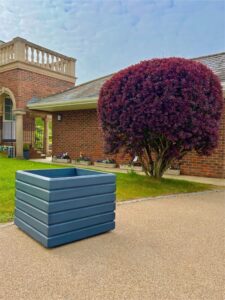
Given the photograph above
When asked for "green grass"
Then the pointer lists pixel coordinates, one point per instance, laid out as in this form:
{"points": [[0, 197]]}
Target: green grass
{"points": [[129, 186], [8, 167]]}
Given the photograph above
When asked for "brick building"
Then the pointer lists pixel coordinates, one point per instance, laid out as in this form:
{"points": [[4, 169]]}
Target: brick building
{"points": [[26, 71], [46, 88]]}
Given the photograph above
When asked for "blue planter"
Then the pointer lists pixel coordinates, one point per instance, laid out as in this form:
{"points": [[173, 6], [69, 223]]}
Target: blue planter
{"points": [[26, 154], [58, 206]]}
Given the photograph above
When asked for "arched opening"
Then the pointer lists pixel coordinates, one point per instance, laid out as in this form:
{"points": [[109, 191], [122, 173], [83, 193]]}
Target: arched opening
{"points": [[7, 118]]}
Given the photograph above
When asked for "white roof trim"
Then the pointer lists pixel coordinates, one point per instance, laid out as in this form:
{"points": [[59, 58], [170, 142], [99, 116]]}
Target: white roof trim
{"points": [[88, 103]]}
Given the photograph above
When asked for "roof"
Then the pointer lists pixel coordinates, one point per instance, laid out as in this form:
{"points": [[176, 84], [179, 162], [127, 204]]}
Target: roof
{"points": [[216, 62], [85, 96]]}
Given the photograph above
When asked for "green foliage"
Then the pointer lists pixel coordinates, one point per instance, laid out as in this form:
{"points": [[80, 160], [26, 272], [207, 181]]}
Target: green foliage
{"points": [[26, 147], [39, 125]]}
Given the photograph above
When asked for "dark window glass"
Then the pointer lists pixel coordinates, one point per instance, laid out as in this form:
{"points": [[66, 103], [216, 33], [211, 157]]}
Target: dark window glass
{"points": [[8, 110]]}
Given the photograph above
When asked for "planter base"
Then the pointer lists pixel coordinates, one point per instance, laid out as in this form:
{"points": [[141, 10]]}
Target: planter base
{"points": [[72, 236]]}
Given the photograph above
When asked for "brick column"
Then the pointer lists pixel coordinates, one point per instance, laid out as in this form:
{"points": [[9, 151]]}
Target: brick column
{"points": [[19, 113]]}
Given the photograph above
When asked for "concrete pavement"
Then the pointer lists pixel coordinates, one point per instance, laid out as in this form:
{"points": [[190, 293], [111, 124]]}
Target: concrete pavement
{"points": [[168, 248]]}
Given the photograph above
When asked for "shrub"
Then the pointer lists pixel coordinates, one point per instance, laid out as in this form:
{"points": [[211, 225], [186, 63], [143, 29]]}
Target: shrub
{"points": [[159, 110], [26, 147]]}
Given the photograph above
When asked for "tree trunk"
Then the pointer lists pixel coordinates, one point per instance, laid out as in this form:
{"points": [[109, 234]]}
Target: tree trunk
{"points": [[157, 166]]}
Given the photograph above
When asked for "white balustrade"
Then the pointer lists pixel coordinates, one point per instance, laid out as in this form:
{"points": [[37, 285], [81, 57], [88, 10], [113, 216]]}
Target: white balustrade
{"points": [[7, 54], [22, 50]]}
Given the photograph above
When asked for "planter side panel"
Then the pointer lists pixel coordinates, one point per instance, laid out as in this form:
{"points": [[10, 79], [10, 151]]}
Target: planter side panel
{"points": [[55, 217]]}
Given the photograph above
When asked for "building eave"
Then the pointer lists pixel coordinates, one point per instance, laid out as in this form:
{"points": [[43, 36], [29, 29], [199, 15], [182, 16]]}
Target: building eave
{"points": [[88, 103]]}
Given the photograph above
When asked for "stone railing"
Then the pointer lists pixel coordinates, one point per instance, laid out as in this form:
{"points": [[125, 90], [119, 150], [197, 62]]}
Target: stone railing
{"points": [[21, 50], [7, 53]]}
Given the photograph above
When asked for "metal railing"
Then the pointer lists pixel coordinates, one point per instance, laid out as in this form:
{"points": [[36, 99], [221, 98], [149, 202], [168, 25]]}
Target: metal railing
{"points": [[33, 135], [39, 139]]}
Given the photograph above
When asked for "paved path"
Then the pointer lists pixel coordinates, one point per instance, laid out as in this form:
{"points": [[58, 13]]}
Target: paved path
{"points": [[169, 248]]}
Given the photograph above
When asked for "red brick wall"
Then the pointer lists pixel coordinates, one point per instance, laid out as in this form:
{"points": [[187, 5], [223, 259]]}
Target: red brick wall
{"points": [[79, 132], [209, 166], [26, 84]]}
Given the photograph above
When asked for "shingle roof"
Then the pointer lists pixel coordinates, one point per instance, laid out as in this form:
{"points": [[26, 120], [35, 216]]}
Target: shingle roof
{"points": [[90, 90], [216, 62], [87, 90]]}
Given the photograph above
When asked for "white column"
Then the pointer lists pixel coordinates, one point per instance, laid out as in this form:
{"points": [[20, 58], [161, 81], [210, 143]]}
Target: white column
{"points": [[19, 113], [46, 134], [1, 125]]}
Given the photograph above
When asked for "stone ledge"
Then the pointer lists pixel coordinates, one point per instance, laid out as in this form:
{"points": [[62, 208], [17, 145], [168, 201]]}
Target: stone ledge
{"points": [[36, 69]]}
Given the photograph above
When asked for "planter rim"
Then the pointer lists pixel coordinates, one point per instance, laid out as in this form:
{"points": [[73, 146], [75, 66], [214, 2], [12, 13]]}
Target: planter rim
{"points": [[60, 178]]}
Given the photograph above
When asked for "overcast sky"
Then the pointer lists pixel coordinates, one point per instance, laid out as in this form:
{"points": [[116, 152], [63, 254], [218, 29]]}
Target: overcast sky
{"points": [[107, 35]]}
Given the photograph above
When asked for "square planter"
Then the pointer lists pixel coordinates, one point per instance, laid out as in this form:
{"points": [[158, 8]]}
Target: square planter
{"points": [[137, 168], [172, 172], [129, 168], [81, 162], [61, 160], [104, 165], [59, 206]]}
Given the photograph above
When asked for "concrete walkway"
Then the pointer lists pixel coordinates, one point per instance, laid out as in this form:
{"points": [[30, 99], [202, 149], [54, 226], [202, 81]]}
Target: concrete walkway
{"points": [[207, 180], [169, 248]]}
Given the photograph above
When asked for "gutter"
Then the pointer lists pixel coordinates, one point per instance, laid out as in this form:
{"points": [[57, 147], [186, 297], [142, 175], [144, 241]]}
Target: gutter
{"points": [[83, 103]]}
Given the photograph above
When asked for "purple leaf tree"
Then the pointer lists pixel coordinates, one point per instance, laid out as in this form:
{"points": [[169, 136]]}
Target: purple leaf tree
{"points": [[159, 110]]}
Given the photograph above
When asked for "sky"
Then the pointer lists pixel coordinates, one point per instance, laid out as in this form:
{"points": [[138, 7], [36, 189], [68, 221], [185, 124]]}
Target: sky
{"points": [[108, 35]]}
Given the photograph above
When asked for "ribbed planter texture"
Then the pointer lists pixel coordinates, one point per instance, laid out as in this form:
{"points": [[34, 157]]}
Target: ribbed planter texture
{"points": [[59, 206]]}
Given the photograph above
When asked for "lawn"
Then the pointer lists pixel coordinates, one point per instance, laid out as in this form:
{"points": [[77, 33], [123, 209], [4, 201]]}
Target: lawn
{"points": [[129, 186]]}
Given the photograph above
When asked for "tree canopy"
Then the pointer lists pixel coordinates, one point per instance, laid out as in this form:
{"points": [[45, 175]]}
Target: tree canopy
{"points": [[160, 109]]}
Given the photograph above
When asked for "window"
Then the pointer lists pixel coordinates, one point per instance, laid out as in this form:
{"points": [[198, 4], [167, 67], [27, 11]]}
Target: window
{"points": [[8, 109]]}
